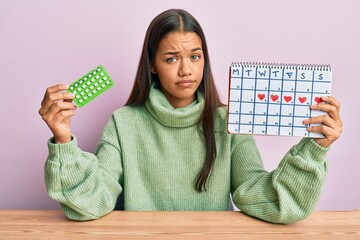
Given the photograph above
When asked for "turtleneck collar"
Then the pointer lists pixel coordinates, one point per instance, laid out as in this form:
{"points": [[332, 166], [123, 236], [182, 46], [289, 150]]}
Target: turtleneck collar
{"points": [[160, 108]]}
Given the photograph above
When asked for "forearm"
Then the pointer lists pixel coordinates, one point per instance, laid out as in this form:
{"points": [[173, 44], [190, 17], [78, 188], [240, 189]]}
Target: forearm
{"points": [[80, 183], [291, 192]]}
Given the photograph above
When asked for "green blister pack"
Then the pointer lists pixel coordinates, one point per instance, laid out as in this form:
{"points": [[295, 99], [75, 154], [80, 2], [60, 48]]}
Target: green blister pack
{"points": [[90, 86]]}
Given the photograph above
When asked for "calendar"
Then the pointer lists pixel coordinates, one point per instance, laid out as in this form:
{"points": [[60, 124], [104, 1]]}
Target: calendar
{"points": [[275, 99]]}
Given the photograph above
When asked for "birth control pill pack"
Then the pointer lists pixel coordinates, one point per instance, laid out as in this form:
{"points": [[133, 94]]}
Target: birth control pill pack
{"points": [[90, 86]]}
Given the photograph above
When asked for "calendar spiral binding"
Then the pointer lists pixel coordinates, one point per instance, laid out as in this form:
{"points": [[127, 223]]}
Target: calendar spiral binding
{"points": [[292, 66]]}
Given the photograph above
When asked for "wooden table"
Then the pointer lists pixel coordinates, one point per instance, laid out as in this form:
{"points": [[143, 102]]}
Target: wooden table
{"points": [[33, 224]]}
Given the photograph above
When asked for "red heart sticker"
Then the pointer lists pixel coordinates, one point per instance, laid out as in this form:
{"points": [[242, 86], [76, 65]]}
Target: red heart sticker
{"points": [[274, 97], [287, 98], [318, 99], [302, 99], [261, 96]]}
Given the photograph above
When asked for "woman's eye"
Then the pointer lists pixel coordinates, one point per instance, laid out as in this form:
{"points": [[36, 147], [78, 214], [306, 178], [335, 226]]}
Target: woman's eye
{"points": [[195, 57], [171, 60]]}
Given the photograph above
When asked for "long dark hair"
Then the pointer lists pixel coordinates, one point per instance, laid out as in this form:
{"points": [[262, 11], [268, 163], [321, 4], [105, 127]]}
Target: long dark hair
{"points": [[171, 21]]}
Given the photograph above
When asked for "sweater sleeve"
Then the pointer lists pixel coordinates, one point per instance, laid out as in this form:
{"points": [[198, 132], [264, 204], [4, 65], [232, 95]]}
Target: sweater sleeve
{"points": [[287, 194], [86, 185]]}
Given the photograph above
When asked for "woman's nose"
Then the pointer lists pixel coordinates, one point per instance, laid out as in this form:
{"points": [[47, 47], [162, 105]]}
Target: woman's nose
{"points": [[185, 68]]}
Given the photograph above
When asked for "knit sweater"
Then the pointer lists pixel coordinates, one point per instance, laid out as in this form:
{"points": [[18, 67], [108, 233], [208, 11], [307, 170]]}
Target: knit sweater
{"points": [[153, 154]]}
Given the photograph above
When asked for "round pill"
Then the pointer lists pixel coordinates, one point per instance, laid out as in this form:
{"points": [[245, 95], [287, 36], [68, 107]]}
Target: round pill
{"points": [[97, 77], [71, 88], [74, 92], [90, 75], [108, 82], [94, 72], [85, 97], [81, 81], [76, 84], [96, 84], [91, 87], [98, 88], [103, 85], [102, 74], [88, 82], [93, 80], [87, 90], [99, 69], [94, 91], [79, 89], [105, 78], [77, 96], [100, 81], [82, 94], [85, 78], [89, 94]]}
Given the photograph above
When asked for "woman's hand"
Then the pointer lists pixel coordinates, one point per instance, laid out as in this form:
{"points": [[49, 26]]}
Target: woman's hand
{"points": [[331, 123], [56, 110]]}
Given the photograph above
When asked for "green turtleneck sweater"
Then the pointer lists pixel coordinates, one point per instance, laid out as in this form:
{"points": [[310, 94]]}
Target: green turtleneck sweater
{"points": [[153, 154]]}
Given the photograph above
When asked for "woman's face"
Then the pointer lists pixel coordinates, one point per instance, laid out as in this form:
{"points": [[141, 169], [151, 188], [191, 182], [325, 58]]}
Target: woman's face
{"points": [[179, 64]]}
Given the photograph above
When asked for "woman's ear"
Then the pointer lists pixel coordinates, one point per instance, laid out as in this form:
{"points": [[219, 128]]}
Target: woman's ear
{"points": [[152, 69]]}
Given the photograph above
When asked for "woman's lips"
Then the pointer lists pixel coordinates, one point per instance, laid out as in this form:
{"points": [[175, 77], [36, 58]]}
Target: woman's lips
{"points": [[185, 83]]}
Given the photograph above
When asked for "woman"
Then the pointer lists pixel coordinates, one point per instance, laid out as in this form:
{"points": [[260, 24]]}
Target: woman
{"points": [[168, 148]]}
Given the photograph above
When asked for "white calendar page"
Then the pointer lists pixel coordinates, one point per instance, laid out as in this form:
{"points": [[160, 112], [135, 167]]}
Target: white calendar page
{"points": [[274, 99]]}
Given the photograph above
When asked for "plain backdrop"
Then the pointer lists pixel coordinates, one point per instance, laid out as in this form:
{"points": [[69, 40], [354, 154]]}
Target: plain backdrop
{"points": [[45, 42]]}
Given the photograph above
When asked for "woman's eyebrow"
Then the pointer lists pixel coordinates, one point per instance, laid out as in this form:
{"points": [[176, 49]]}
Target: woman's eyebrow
{"points": [[196, 49], [177, 52], [171, 53]]}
